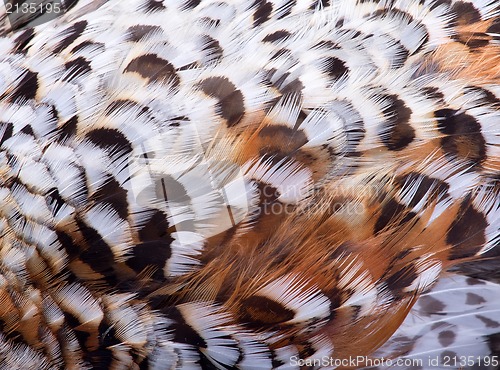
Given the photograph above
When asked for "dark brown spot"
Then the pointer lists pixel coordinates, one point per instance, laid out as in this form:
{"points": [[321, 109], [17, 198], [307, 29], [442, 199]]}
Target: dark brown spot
{"points": [[306, 350], [210, 22], [177, 121], [398, 134], [155, 69], [155, 228], [440, 324], [474, 299], [101, 358], [76, 68], [392, 212], [112, 194], [393, 13], [54, 200], [336, 297], [422, 185], [191, 4], [189, 66], [293, 87], [276, 36], [268, 75], [449, 120], [28, 130], [27, 87], [138, 32], [276, 362], [70, 4], [301, 118], [268, 195], [356, 311], [212, 47], [433, 93], [327, 44], [183, 332], [437, 3], [23, 40], [154, 248], [282, 53], [317, 3], [473, 40], [98, 254], [68, 244], [467, 232], [465, 13], [488, 322], [387, 3], [486, 268], [107, 335], [399, 257], [343, 250], [473, 281], [430, 306], [70, 35], [401, 279], [120, 105], [231, 104], [111, 140], [74, 322], [495, 26], [334, 67], [87, 44], [262, 12], [400, 55], [464, 138], [264, 311], [68, 129], [487, 97], [446, 338], [154, 6], [6, 130], [284, 137], [493, 341]]}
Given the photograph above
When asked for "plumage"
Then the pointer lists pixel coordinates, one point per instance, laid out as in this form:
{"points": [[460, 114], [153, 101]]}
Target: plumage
{"points": [[268, 184]]}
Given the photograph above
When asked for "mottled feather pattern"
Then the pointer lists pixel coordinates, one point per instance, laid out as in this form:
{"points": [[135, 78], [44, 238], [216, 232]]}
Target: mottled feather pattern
{"points": [[207, 184]]}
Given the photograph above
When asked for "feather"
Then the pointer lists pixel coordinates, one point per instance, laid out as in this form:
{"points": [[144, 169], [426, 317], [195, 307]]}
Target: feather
{"points": [[262, 184]]}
